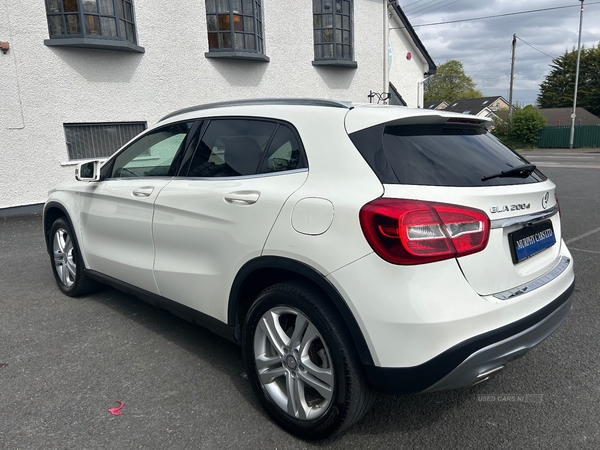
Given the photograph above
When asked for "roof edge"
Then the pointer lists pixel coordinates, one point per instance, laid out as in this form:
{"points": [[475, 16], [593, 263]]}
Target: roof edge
{"points": [[262, 101]]}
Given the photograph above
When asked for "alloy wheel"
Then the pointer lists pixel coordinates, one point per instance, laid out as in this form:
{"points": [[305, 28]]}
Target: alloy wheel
{"points": [[293, 363], [64, 257]]}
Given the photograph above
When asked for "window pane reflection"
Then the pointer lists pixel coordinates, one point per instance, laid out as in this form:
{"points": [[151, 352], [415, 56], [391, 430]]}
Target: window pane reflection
{"points": [[92, 25], [99, 17]]}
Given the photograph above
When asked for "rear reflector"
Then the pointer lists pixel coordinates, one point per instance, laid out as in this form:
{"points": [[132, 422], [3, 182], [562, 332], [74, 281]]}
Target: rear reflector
{"points": [[412, 232]]}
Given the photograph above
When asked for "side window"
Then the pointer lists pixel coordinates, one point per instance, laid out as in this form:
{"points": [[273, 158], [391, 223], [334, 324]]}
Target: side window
{"points": [[152, 155], [231, 147], [284, 152]]}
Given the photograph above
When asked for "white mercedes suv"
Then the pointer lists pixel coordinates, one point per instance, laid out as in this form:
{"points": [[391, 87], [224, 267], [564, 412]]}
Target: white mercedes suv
{"points": [[347, 248]]}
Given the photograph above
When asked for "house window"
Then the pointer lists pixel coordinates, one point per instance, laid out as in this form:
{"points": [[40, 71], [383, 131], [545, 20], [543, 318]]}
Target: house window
{"points": [[235, 29], [105, 24], [333, 29], [99, 140]]}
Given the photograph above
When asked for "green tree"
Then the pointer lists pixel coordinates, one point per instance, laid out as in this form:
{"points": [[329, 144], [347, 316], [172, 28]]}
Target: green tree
{"points": [[526, 124], [502, 125], [557, 90], [450, 83], [522, 130]]}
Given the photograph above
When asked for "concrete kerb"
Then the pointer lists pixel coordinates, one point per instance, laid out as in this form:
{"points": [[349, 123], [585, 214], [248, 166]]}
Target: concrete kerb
{"points": [[558, 150], [23, 210]]}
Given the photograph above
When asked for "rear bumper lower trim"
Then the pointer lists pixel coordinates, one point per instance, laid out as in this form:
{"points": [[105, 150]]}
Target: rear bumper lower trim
{"points": [[496, 356], [423, 378]]}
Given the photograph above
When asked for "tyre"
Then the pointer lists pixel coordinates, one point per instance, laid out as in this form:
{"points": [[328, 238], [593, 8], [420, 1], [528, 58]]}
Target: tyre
{"points": [[67, 264], [302, 363]]}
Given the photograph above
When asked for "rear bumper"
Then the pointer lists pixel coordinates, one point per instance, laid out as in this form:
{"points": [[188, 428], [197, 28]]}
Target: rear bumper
{"points": [[468, 362]]}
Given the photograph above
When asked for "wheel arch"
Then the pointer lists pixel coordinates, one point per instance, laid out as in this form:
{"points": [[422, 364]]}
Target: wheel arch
{"points": [[52, 212], [264, 271]]}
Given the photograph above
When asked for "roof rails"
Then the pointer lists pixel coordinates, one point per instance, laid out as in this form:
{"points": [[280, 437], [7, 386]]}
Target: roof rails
{"points": [[263, 101]]}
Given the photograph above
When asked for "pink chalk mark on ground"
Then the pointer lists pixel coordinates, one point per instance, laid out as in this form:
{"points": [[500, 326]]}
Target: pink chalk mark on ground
{"points": [[117, 410]]}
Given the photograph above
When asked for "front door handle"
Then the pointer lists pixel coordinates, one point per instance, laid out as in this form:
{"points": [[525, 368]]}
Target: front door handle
{"points": [[242, 197], [143, 191]]}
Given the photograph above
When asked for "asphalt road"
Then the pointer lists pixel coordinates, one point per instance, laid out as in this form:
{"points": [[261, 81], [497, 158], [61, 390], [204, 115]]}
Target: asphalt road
{"points": [[64, 362]]}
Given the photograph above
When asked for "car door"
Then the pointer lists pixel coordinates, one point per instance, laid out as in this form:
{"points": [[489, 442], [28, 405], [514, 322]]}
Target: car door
{"points": [[208, 223], [116, 214]]}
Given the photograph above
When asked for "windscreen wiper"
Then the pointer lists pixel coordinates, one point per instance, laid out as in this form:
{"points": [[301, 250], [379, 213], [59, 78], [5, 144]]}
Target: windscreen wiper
{"points": [[516, 172]]}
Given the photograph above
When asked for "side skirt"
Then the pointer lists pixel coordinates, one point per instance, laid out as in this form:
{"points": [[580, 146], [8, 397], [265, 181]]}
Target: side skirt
{"points": [[177, 309]]}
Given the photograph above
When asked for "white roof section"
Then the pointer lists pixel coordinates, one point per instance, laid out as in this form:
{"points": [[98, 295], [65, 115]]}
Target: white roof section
{"points": [[358, 115], [365, 116]]}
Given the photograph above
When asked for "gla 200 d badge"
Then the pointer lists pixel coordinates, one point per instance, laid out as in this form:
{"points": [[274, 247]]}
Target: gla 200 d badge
{"points": [[517, 207]]}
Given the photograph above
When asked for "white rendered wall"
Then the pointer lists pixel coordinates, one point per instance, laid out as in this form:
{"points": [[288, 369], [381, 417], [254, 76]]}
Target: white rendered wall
{"points": [[406, 73], [44, 87]]}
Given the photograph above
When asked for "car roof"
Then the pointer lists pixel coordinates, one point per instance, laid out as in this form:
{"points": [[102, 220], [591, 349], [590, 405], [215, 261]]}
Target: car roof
{"points": [[358, 115], [262, 101]]}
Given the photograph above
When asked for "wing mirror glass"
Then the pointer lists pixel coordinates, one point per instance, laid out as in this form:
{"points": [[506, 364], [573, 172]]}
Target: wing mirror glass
{"points": [[88, 171]]}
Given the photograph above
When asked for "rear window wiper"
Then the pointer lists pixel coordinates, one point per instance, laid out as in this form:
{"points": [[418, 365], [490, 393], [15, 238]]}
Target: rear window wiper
{"points": [[516, 172]]}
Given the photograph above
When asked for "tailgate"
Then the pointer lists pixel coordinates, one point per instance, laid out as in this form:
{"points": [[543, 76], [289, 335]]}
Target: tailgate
{"points": [[525, 235]]}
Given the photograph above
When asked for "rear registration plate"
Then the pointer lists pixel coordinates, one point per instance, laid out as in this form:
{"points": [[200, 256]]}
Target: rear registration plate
{"points": [[531, 240]]}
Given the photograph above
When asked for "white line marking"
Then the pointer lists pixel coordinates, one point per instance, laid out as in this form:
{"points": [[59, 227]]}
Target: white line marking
{"points": [[562, 157], [584, 235], [586, 251], [567, 166]]}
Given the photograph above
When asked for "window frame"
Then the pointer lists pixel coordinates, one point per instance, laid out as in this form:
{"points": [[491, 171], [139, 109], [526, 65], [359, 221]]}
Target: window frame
{"points": [[256, 16], [205, 123], [99, 41], [319, 28]]}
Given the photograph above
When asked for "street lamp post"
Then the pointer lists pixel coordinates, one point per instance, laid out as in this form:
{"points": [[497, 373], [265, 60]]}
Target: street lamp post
{"points": [[573, 115]]}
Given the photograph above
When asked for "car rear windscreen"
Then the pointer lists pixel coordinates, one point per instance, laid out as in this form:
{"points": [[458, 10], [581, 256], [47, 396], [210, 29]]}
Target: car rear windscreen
{"points": [[441, 155]]}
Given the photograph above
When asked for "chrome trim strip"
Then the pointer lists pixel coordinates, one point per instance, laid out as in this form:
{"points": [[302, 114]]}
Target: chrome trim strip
{"points": [[526, 219], [241, 177], [537, 283]]}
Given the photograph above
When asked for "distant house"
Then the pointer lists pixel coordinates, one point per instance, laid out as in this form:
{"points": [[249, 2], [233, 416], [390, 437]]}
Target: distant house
{"points": [[562, 117], [435, 105], [482, 107]]}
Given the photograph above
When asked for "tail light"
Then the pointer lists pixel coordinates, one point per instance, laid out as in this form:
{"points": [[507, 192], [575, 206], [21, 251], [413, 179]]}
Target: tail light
{"points": [[411, 232], [557, 204]]}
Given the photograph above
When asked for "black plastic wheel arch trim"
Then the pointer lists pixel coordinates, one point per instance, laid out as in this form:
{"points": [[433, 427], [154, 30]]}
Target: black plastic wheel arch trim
{"points": [[293, 266], [177, 309], [48, 227], [411, 380]]}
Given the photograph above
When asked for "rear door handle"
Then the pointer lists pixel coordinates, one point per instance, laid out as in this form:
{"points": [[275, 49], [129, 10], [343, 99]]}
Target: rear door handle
{"points": [[143, 191], [242, 197]]}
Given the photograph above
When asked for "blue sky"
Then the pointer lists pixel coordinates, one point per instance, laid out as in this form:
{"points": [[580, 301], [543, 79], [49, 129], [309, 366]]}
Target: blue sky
{"points": [[484, 46]]}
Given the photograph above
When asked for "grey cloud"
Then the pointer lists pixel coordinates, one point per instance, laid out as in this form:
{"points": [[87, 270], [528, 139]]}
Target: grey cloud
{"points": [[474, 43]]}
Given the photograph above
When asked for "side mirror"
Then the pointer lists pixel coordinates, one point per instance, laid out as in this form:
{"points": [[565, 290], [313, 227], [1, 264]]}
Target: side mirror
{"points": [[88, 171]]}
